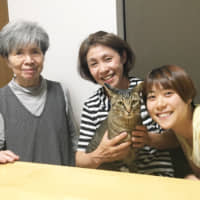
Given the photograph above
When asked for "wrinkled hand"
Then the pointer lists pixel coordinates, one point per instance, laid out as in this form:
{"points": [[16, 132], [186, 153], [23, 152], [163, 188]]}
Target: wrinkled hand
{"points": [[8, 156], [140, 137], [111, 149]]}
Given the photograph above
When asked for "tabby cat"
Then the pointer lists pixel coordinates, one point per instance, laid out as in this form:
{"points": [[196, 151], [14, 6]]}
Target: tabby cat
{"points": [[123, 116]]}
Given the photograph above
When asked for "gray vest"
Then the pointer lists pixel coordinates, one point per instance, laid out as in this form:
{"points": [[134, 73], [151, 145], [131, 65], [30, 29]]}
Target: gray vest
{"points": [[43, 139]]}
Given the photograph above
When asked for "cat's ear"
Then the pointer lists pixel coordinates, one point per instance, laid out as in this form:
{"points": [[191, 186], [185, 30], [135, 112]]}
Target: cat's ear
{"points": [[110, 91], [139, 87]]}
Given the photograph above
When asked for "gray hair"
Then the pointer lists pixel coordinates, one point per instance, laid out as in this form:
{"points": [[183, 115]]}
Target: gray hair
{"points": [[19, 34]]}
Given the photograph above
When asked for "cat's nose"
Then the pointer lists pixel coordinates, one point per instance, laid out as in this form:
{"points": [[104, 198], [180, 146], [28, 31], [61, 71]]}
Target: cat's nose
{"points": [[128, 108]]}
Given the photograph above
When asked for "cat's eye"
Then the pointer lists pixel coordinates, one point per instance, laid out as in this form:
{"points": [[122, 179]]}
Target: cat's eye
{"points": [[120, 102], [134, 103]]}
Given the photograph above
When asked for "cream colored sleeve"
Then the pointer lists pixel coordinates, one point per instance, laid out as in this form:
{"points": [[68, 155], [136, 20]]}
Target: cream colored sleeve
{"points": [[196, 136]]}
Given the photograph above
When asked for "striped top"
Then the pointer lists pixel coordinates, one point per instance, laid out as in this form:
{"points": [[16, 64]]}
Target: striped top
{"points": [[95, 110]]}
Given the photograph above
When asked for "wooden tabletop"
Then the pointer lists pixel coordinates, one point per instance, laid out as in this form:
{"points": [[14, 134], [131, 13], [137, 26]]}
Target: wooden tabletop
{"points": [[28, 181]]}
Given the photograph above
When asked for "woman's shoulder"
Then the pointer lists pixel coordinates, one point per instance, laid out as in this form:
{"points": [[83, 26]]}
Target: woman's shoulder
{"points": [[96, 99], [196, 111], [134, 79], [96, 93]]}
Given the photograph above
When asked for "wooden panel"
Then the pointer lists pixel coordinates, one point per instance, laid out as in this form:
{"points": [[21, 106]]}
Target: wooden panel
{"points": [[22, 181], [5, 72]]}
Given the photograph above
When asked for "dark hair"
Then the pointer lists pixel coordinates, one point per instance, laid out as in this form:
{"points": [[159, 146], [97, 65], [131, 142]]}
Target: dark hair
{"points": [[109, 40], [170, 77], [18, 34]]}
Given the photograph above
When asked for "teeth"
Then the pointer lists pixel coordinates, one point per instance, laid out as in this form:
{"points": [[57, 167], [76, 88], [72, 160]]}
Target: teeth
{"points": [[163, 115], [107, 77]]}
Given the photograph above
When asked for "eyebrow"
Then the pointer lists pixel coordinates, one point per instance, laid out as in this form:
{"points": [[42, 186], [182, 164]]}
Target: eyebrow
{"points": [[91, 60]]}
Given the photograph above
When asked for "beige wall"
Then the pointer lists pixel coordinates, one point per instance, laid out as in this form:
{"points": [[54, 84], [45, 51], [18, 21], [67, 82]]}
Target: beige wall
{"points": [[68, 22], [165, 32]]}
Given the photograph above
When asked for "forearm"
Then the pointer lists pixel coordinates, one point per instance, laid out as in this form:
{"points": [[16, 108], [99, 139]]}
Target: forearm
{"points": [[165, 140], [88, 160]]}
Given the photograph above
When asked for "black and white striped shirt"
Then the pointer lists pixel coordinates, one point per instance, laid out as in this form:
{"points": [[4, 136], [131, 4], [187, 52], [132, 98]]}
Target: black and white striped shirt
{"points": [[95, 110]]}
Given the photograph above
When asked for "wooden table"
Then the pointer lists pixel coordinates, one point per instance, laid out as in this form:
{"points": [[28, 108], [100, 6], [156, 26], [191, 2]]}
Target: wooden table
{"points": [[28, 181]]}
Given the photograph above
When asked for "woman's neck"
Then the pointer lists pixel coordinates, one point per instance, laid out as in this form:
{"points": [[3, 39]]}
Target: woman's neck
{"points": [[124, 83], [27, 83]]}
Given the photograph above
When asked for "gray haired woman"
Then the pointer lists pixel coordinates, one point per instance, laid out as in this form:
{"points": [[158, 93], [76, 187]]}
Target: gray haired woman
{"points": [[36, 121]]}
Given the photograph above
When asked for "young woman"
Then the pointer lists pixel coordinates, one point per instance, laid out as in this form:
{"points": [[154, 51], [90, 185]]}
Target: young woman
{"points": [[169, 93], [106, 58]]}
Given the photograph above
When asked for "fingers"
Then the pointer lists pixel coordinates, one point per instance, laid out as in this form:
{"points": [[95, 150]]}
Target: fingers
{"points": [[8, 156], [140, 137], [119, 138], [191, 177], [140, 128], [120, 151], [138, 141], [111, 149]]}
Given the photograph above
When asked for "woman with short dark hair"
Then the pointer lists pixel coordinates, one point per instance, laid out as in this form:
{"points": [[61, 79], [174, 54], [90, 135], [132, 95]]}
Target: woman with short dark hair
{"points": [[169, 92], [106, 58]]}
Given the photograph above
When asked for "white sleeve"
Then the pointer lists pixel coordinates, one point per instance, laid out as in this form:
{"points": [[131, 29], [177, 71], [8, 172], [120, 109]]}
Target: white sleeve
{"points": [[2, 132]]}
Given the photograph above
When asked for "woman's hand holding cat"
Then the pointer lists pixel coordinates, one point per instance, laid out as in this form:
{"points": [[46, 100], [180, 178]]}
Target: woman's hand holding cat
{"points": [[140, 137], [111, 149], [7, 157], [108, 150], [192, 177]]}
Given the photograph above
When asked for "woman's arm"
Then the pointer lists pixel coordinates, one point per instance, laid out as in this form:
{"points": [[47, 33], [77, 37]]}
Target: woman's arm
{"points": [[142, 137], [107, 151], [6, 156], [192, 177]]}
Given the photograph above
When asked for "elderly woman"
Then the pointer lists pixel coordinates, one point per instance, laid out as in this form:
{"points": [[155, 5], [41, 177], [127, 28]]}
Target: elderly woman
{"points": [[36, 122]]}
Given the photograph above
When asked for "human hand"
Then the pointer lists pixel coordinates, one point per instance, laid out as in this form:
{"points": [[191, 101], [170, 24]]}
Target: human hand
{"points": [[140, 137], [111, 149], [8, 156], [191, 177]]}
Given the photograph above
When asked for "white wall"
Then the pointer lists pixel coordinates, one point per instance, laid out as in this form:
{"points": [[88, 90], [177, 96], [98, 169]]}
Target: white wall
{"points": [[68, 22]]}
